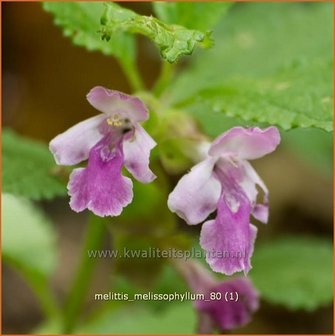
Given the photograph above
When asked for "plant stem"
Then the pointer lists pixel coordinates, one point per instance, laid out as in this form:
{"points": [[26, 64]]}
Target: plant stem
{"points": [[132, 74], [94, 237], [165, 77]]}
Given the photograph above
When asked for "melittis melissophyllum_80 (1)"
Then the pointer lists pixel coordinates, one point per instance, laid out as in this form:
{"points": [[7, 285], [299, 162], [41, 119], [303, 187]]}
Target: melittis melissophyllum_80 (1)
{"points": [[109, 141]]}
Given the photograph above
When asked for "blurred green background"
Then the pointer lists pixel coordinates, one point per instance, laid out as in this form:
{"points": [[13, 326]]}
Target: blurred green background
{"points": [[45, 80]]}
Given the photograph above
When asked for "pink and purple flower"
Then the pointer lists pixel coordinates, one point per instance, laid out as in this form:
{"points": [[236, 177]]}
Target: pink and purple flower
{"points": [[109, 141], [225, 182]]}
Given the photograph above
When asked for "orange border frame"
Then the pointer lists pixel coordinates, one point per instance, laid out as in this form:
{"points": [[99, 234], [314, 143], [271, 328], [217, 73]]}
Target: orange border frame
{"points": [[332, 1]]}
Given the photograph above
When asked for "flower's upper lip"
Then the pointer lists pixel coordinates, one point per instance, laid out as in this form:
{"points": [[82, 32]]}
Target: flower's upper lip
{"points": [[246, 143], [112, 102]]}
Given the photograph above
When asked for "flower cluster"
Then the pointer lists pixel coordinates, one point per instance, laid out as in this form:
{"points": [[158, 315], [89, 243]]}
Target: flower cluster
{"points": [[224, 181]]}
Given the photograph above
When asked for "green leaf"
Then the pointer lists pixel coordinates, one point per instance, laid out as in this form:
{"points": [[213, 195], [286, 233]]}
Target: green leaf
{"points": [[29, 245], [264, 69], [295, 272], [179, 318], [173, 41], [193, 15], [28, 168], [81, 22], [28, 238]]}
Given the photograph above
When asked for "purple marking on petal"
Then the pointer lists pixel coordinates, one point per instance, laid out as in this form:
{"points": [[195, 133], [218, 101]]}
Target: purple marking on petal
{"points": [[100, 187], [229, 239], [114, 102], [244, 175], [246, 143], [231, 314], [73, 146], [137, 154], [196, 194]]}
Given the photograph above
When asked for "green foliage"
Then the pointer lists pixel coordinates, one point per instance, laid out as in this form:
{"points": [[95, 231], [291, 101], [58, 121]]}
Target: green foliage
{"points": [[118, 316], [264, 69], [172, 154], [28, 239], [49, 327], [193, 15], [81, 22], [28, 168], [295, 272], [29, 245], [313, 145], [178, 318], [173, 41], [170, 282], [148, 214], [148, 198]]}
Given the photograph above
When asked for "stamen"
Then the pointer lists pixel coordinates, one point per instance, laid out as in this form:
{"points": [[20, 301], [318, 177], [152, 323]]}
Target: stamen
{"points": [[114, 120]]}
